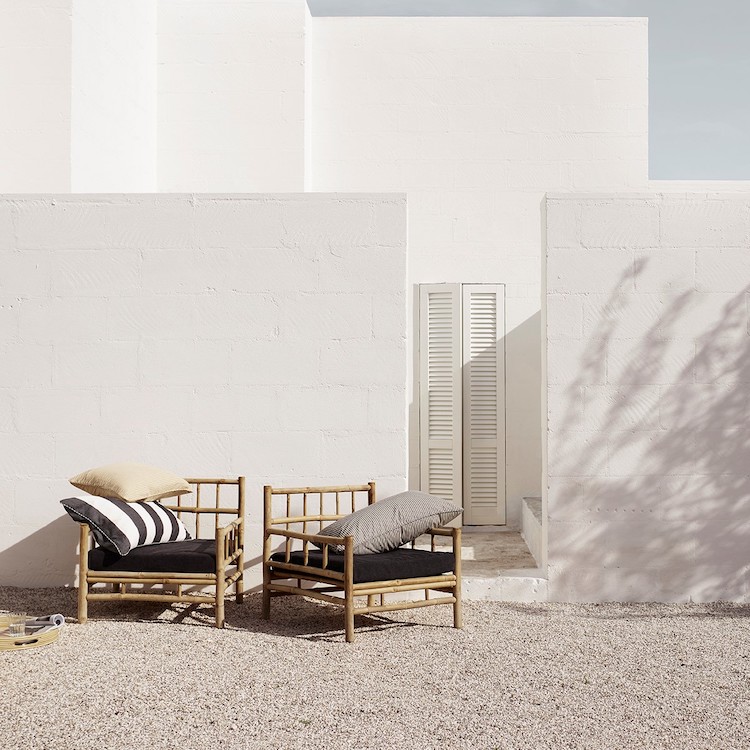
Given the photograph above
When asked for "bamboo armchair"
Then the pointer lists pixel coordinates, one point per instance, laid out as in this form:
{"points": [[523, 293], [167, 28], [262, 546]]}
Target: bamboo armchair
{"points": [[201, 564], [351, 574]]}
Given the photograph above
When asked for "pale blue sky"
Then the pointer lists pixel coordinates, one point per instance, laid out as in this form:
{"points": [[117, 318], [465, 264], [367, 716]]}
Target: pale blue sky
{"points": [[699, 70]]}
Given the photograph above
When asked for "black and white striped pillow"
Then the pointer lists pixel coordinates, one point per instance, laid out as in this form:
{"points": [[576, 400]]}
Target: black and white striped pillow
{"points": [[120, 527]]}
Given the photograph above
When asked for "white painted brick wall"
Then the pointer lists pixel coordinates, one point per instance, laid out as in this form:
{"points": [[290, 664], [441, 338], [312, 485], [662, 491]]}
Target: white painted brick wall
{"points": [[173, 330], [231, 92], [647, 383], [476, 118]]}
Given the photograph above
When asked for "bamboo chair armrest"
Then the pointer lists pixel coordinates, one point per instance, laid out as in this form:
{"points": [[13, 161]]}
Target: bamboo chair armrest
{"points": [[315, 538], [319, 540], [456, 534], [450, 531], [86, 538], [229, 545], [92, 543], [224, 530]]}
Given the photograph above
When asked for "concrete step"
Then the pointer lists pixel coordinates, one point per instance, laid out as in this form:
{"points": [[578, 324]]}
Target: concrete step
{"points": [[496, 565], [531, 526], [528, 585]]}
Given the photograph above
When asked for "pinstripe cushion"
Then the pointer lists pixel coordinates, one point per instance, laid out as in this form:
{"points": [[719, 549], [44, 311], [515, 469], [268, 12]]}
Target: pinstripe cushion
{"points": [[389, 523], [119, 526]]}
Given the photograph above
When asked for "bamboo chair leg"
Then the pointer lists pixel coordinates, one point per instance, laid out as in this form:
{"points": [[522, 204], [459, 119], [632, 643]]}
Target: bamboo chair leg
{"points": [[266, 594], [83, 611], [239, 586], [267, 544], [83, 570], [457, 614], [220, 591], [349, 587], [349, 615]]}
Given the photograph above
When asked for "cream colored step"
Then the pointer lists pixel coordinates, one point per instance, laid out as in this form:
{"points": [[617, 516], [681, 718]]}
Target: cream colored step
{"points": [[502, 549], [531, 525], [496, 565]]}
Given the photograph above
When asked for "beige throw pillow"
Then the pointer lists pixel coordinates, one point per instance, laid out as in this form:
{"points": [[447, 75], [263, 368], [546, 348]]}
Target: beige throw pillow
{"points": [[130, 482]]}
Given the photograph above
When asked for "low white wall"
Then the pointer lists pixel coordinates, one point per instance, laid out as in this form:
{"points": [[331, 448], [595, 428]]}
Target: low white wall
{"points": [[476, 118], [231, 90], [35, 80], [647, 382], [212, 335], [113, 98]]}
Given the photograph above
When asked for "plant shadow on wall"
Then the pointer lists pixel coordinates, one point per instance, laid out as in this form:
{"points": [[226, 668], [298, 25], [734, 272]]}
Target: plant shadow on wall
{"points": [[649, 471]]}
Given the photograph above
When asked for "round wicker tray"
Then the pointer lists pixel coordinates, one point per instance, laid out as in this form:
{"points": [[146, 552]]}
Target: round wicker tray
{"points": [[42, 637]]}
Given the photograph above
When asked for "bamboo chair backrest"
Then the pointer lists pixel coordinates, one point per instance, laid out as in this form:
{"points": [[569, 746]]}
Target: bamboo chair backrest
{"points": [[206, 500], [309, 509]]}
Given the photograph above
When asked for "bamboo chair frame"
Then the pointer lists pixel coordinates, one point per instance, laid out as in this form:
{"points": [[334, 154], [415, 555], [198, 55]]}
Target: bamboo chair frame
{"points": [[230, 558], [276, 572]]}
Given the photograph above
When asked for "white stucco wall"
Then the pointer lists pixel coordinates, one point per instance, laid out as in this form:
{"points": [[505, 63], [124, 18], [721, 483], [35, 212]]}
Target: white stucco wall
{"points": [[35, 81], [476, 118], [212, 335], [231, 92], [113, 97], [647, 376]]}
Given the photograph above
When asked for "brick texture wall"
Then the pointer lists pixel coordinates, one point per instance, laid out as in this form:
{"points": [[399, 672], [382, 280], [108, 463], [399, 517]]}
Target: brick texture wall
{"points": [[476, 118], [648, 397], [220, 335]]}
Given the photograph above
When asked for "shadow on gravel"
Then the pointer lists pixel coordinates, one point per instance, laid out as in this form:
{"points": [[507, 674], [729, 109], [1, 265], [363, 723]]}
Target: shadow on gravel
{"points": [[666, 611], [306, 619], [631, 611], [291, 617]]}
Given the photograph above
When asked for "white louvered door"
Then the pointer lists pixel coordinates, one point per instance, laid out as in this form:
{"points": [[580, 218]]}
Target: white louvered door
{"points": [[440, 390], [483, 404], [462, 397]]}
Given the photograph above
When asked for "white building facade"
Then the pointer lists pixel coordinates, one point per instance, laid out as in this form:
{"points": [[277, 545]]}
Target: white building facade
{"points": [[464, 124]]}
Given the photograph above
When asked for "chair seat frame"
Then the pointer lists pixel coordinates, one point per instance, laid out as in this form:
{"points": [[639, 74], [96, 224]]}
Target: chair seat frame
{"points": [[229, 551], [278, 576]]}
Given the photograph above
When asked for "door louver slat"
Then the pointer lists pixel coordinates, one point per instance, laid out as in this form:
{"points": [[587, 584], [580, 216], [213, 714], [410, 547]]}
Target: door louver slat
{"points": [[484, 405], [440, 400]]}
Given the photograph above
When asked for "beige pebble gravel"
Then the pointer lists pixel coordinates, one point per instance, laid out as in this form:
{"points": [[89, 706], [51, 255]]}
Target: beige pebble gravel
{"points": [[518, 676]]}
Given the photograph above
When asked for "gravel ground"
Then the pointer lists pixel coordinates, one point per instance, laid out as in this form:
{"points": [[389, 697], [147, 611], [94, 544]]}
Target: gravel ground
{"points": [[518, 676]]}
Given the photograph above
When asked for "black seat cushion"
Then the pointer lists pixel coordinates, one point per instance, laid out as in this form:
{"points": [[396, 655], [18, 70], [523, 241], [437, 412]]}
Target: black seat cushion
{"points": [[381, 566], [191, 556]]}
